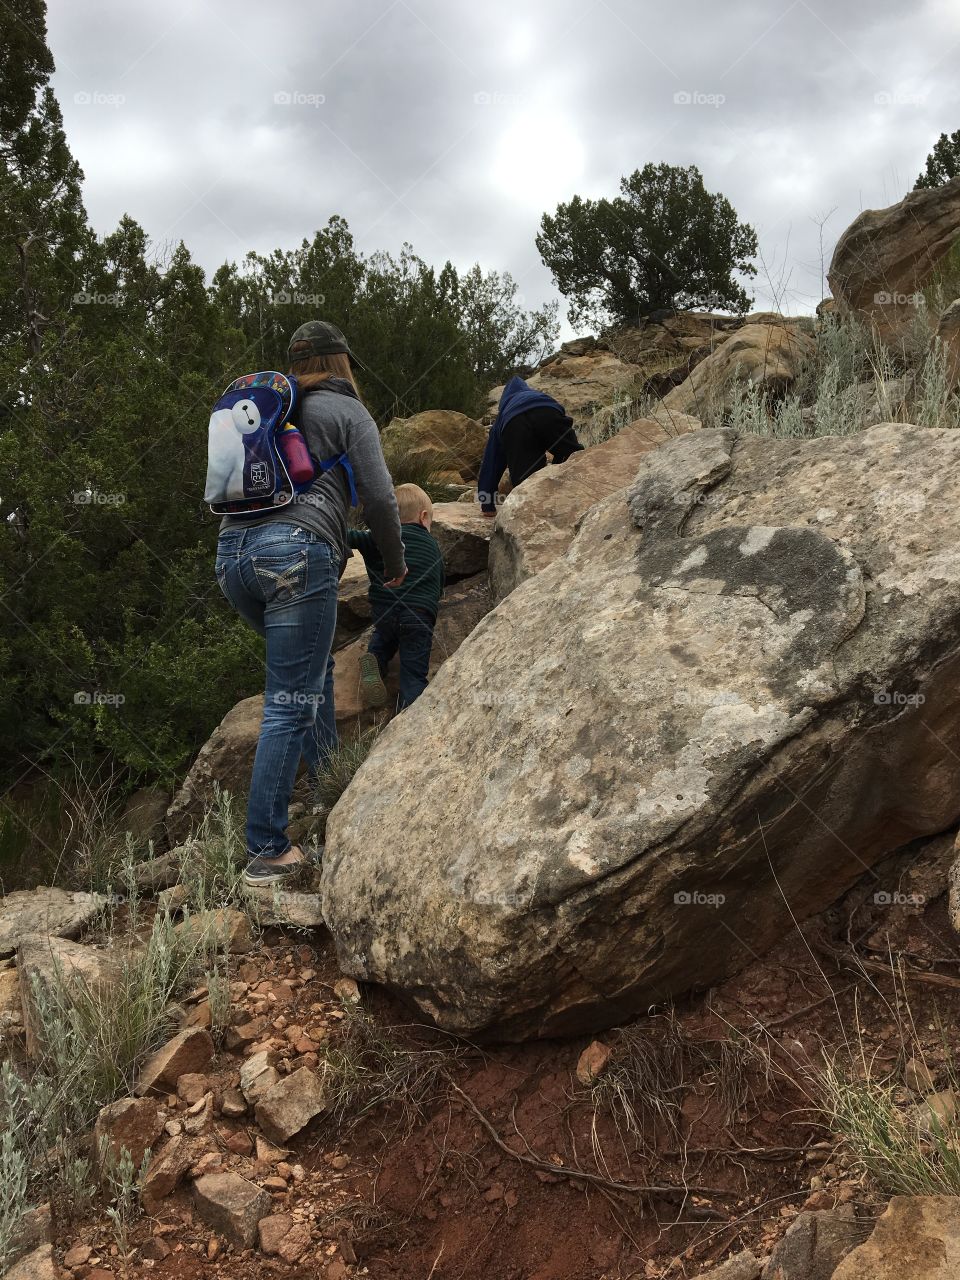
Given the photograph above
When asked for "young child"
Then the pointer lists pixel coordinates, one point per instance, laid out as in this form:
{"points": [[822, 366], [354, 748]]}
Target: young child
{"points": [[404, 616]]}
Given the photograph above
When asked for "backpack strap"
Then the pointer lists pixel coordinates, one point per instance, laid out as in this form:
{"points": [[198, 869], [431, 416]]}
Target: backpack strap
{"points": [[341, 460]]}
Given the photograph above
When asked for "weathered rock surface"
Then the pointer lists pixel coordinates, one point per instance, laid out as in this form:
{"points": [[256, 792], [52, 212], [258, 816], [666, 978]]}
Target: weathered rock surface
{"points": [[144, 812], [916, 1238], [167, 1170], [464, 537], [288, 906], [190, 1050], [768, 355], [291, 1104], [353, 602], [224, 758], [231, 1205], [131, 1123], [886, 255], [37, 1265], [55, 913], [449, 441], [258, 1075], [948, 333], [281, 1235], [606, 801], [539, 519], [223, 927], [814, 1245], [742, 1266]]}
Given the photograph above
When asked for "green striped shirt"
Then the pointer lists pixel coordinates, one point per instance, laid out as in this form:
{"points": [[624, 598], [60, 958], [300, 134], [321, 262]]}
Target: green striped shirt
{"points": [[423, 585]]}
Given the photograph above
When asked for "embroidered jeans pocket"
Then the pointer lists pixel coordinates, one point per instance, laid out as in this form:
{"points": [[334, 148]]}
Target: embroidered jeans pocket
{"points": [[282, 577]]}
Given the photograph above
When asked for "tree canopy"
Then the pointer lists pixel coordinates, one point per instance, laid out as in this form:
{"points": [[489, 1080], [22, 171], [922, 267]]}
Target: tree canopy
{"points": [[943, 162], [664, 241]]}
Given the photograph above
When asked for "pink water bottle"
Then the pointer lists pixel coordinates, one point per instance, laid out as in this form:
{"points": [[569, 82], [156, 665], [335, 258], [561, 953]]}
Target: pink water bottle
{"points": [[296, 455]]}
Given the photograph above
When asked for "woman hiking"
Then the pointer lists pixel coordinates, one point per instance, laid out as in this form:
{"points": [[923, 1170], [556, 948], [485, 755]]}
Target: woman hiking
{"points": [[280, 571]]}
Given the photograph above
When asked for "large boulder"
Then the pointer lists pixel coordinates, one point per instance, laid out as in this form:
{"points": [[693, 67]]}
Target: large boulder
{"points": [[464, 537], [55, 913], [448, 441], [538, 520], [223, 760], [885, 255], [766, 354], [916, 1238], [738, 689]]}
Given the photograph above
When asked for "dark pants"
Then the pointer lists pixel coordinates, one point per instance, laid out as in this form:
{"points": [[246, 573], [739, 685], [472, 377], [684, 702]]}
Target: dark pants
{"points": [[409, 631], [530, 436]]}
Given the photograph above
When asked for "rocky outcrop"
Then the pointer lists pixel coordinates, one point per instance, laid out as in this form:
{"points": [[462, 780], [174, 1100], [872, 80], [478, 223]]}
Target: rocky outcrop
{"points": [[884, 257], [538, 520], [814, 1245], [448, 441], [53, 964], [916, 1238], [767, 355], [736, 691], [948, 333], [54, 913]]}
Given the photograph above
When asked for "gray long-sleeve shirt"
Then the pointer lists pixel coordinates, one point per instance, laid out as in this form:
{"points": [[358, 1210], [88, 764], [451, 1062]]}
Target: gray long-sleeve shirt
{"points": [[335, 424]]}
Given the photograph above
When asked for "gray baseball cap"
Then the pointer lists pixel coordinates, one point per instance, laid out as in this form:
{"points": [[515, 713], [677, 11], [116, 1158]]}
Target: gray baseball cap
{"points": [[319, 338]]}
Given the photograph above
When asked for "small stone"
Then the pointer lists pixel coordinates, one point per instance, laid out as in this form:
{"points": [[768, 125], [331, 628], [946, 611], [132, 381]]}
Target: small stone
{"points": [[290, 1105], [593, 1061], [346, 991], [225, 927], [339, 1161], [189, 1051], [131, 1123], [174, 898], [258, 1076], [213, 1248], [232, 1103], [172, 1128], [268, 1153], [192, 1087], [199, 1016], [77, 1255], [275, 1183], [156, 1248], [209, 1162], [231, 1205], [239, 1143], [337, 1270], [917, 1076], [166, 1171]]}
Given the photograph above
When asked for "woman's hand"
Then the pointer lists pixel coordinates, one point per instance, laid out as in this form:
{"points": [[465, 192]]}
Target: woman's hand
{"points": [[395, 582]]}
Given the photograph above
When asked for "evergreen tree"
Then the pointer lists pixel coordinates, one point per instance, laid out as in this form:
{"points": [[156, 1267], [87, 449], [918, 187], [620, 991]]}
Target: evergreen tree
{"points": [[943, 162], [665, 241]]}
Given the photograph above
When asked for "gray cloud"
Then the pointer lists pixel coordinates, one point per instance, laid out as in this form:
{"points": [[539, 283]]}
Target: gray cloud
{"points": [[245, 126]]}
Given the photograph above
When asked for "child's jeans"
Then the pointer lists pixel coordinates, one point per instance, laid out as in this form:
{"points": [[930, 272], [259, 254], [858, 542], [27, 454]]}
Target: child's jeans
{"points": [[282, 580], [408, 630]]}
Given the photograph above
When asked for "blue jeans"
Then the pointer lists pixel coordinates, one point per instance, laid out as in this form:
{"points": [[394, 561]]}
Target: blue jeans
{"points": [[409, 631], [283, 581]]}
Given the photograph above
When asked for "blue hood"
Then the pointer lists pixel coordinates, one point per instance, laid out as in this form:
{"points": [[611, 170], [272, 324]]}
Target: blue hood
{"points": [[517, 397]]}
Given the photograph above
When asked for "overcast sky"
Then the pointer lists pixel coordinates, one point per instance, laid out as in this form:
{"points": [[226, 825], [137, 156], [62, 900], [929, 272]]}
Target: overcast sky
{"points": [[244, 125]]}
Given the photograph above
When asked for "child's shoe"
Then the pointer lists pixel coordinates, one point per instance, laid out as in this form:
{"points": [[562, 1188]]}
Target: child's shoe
{"points": [[372, 689]]}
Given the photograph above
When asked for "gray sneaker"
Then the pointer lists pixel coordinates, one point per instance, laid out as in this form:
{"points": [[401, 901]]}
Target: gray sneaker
{"points": [[372, 689], [267, 871]]}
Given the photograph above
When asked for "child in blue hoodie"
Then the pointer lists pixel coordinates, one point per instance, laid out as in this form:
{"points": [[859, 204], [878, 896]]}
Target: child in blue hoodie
{"points": [[529, 425]]}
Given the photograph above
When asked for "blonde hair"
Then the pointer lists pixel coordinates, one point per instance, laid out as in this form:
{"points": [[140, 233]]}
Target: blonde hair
{"points": [[315, 370], [411, 501]]}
